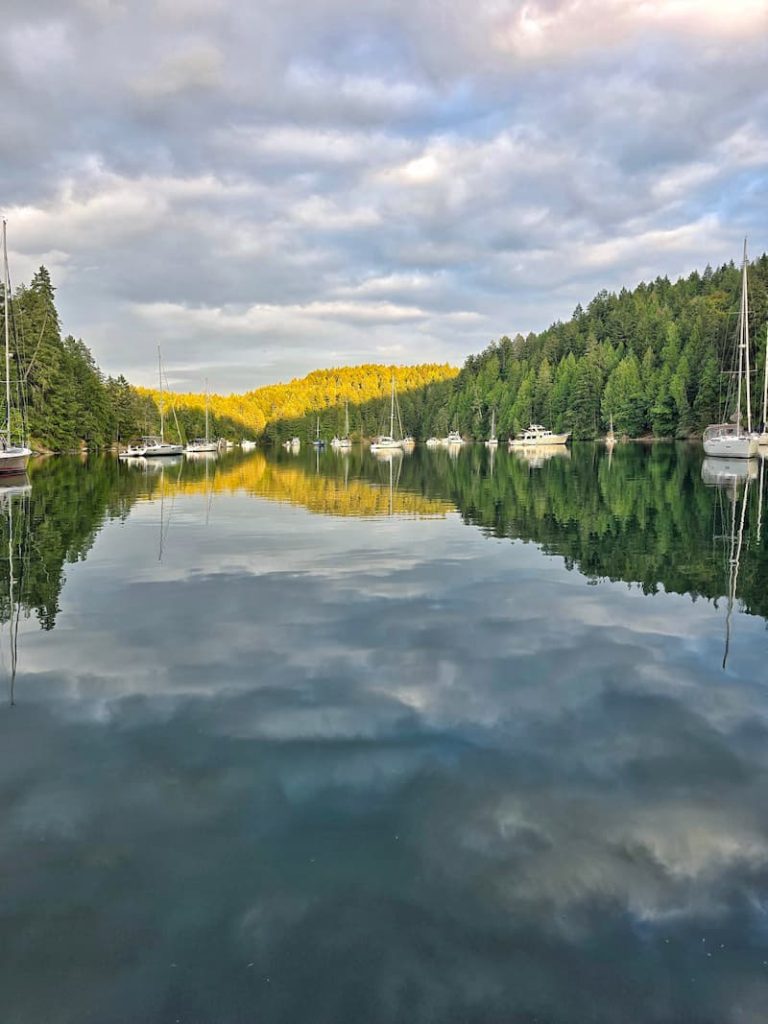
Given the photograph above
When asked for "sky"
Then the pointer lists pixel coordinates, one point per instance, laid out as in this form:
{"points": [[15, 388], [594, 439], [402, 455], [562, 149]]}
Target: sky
{"points": [[265, 187]]}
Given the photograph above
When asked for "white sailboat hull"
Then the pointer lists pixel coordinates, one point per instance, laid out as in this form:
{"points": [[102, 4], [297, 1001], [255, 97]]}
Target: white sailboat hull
{"points": [[205, 446], [386, 444], [14, 460], [731, 446], [158, 450]]}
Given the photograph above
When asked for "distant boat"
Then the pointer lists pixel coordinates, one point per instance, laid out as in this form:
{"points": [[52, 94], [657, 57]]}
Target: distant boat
{"points": [[453, 437], [203, 444], [343, 443], [247, 445], [729, 440], [153, 446], [13, 457], [433, 442], [318, 443], [493, 441], [387, 442], [610, 437], [536, 435]]}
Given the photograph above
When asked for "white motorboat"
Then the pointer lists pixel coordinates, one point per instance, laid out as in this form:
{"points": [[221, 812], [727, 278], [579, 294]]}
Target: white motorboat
{"points": [[453, 437], [247, 445], [432, 442], [387, 442], [13, 457], [536, 435], [729, 440]]}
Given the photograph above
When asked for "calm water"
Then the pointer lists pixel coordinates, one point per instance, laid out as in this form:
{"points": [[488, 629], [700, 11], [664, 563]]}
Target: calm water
{"points": [[344, 741]]}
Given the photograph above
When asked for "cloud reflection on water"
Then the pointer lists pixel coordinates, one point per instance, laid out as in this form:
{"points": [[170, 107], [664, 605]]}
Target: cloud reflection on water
{"points": [[459, 786]]}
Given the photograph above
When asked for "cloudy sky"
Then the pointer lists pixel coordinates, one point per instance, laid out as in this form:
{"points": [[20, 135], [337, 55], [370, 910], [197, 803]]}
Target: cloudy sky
{"points": [[269, 186]]}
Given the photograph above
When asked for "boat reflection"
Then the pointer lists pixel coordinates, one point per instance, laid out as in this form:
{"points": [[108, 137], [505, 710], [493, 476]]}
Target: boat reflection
{"points": [[537, 455], [726, 472]]}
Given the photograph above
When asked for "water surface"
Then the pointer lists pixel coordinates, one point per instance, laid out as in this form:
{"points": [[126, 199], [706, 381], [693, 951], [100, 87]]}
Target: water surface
{"points": [[335, 739]]}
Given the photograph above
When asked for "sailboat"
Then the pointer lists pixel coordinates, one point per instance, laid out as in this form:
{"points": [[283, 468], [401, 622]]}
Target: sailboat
{"points": [[203, 444], [762, 437], [729, 440], [153, 445], [13, 457], [318, 442], [493, 441], [610, 437], [343, 443], [387, 442]]}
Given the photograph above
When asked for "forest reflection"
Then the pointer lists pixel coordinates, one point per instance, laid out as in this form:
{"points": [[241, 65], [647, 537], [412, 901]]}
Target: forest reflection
{"points": [[656, 516]]}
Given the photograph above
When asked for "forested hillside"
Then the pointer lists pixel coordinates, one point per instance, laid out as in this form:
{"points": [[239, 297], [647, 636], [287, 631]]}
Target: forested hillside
{"points": [[58, 391], [651, 358], [278, 409]]}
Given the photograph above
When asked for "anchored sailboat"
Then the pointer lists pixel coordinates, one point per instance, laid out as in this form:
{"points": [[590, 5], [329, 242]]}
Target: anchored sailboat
{"points": [[343, 443], [13, 457], [153, 445], [493, 441], [762, 438], [730, 440], [203, 444], [387, 442]]}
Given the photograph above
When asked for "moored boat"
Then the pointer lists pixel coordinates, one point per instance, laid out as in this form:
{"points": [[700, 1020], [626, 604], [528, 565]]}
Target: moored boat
{"points": [[388, 442], [13, 457], [537, 436], [729, 440]]}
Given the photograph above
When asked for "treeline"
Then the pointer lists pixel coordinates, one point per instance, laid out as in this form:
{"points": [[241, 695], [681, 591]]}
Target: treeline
{"points": [[277, 410], [652, 360], [61, 400]]}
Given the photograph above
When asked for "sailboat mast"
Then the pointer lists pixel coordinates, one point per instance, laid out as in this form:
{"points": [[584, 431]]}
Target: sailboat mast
{"points": [[764, 425], [392, 410], [160, 376], [6, 290], [206, 410], [745, 330]]}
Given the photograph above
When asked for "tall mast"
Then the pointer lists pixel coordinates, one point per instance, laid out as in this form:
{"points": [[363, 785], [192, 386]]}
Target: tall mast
{"points": [[392, 409], [160, 376], [206, 410], [741, 355], [346, 419], [764, 425], [745, 334], [6, 290]]}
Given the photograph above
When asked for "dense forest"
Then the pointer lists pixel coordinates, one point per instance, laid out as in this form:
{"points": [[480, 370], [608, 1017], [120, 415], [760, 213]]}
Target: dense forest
{"points": [[273, 411], [61, 400], [654, 360], [651, 359]]}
